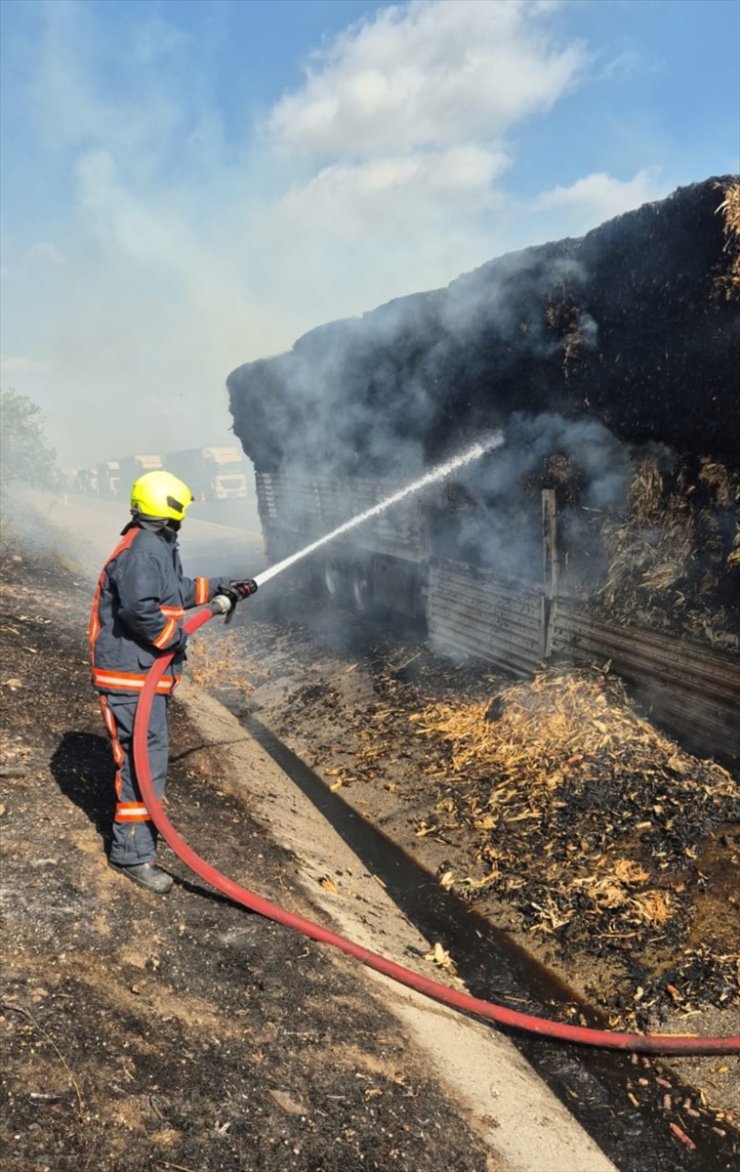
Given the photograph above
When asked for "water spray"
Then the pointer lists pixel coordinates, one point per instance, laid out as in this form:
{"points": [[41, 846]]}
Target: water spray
{"points": [[478, 449]]}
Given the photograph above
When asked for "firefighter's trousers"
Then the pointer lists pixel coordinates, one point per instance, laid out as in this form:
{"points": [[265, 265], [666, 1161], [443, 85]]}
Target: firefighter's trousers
{"points": [[134, 837]]}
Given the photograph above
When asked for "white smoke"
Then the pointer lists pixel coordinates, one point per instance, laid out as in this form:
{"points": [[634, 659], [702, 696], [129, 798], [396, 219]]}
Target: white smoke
{"points": [[167, 242]]}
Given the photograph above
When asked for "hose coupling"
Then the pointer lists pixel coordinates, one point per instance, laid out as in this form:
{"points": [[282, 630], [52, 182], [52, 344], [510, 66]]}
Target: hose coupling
{"points": [[220, 604]]}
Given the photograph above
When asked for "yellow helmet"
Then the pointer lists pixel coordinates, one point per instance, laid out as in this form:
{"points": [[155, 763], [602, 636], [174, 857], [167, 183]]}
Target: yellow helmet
{"points": [[160, 494]]}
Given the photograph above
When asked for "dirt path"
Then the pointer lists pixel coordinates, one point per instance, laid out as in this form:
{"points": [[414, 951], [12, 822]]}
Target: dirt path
{"points": [[141, 1033]]}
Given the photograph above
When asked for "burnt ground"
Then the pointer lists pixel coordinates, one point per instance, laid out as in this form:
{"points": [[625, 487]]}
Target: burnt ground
{"points": [[141, 1033], [657, 952]]}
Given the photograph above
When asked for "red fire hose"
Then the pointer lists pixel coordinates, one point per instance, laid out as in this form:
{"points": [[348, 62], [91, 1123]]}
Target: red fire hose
{"points": [[640, 1043]]}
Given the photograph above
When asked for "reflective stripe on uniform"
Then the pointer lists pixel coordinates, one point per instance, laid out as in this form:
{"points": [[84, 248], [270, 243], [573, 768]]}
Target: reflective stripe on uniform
{"points": [[163, 638], [201, 591], [173, 612], [128, 681], [116, 746], [108, 717], [94, 627], [131, 812]]}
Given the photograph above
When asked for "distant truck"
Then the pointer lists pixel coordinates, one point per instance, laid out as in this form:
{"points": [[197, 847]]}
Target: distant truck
{"points": [[213, 474], [132, 467], [85, 479], [109, 478]]}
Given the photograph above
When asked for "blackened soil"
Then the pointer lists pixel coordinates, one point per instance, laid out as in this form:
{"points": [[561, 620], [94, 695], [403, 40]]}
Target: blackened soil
{"points": [[341, 694], [179, 1033]]}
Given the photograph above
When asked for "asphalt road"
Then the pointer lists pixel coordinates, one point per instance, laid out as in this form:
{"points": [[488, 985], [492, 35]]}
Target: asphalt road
{"points": [[216, 539]]}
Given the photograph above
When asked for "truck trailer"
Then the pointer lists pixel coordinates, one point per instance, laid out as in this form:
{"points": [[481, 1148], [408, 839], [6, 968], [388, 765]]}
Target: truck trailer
{"points": [[605, 529], [213, 474], [109, 478], [132, 467]]}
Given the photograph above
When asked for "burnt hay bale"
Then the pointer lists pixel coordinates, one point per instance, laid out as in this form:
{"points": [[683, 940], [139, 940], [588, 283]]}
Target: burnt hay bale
{"points": [[610, 361], [636, 324]]}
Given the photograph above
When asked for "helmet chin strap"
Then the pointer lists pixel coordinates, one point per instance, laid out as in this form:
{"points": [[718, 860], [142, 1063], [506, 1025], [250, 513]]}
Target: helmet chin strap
{"points": [[153, 524]]}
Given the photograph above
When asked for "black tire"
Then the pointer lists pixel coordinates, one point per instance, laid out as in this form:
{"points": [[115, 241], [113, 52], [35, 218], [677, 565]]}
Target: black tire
{"points": [[334, 580], [361, 589]]}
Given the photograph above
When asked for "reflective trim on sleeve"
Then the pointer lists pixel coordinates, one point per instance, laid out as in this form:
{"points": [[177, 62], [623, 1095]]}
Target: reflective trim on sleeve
{"points": [[94, 626], [165, 634], [202, 591], [173, 612]]}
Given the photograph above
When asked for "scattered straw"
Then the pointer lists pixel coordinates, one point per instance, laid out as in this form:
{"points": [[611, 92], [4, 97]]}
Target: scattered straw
{"points": [[651, 549], [729, 282], [219, 663], [545, 728], [669, 554], [574, 799]]}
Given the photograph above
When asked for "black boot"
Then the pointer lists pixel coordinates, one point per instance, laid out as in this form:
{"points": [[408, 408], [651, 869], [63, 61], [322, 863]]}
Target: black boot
{"points": [[149, 875]]}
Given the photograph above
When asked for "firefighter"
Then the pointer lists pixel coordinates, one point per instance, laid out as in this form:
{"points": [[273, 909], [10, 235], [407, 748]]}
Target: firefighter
{"points": [[137, 614]]}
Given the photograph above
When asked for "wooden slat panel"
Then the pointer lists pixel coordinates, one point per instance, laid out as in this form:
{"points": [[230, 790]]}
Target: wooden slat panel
{"points": [[312, 507], [692, 691], [476, 616]]}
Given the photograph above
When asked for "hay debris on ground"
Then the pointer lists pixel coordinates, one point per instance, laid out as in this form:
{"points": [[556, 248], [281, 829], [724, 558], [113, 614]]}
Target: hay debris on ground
{"points": [[584, 815], [219, 663]]}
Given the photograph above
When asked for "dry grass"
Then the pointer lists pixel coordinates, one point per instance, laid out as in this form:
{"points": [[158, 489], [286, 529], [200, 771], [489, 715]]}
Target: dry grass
{"points": [[651, 548], [726, 489], [729, 282], [565, 761], [218, 663], [545, 727], [667, 554]]}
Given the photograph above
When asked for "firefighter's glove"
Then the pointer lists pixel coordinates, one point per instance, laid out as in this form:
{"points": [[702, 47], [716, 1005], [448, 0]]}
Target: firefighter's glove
{"points": [[242, 589], [235, 591]]}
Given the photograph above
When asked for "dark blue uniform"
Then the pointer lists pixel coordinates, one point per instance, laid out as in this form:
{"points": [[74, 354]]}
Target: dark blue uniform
{"points": [[137, 614]]}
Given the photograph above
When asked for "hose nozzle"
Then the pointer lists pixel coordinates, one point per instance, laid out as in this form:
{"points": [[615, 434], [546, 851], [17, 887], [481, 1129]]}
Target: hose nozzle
{"points": [[244, 588], [225, 602]]}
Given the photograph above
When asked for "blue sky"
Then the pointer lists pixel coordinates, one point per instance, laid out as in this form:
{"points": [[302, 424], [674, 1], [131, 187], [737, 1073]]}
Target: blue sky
{"points": [[187, 186]]}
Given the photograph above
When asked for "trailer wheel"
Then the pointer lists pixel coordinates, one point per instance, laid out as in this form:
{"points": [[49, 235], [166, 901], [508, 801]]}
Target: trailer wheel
{"points": [[334, 580], [361, 590]]}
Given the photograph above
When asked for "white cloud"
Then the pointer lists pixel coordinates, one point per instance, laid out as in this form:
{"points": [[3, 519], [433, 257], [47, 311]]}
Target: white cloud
{"points": [[46, 253], [348, 199], [433, 73], [189, 253], [399, 138], [599, 196], [11, 364]]}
